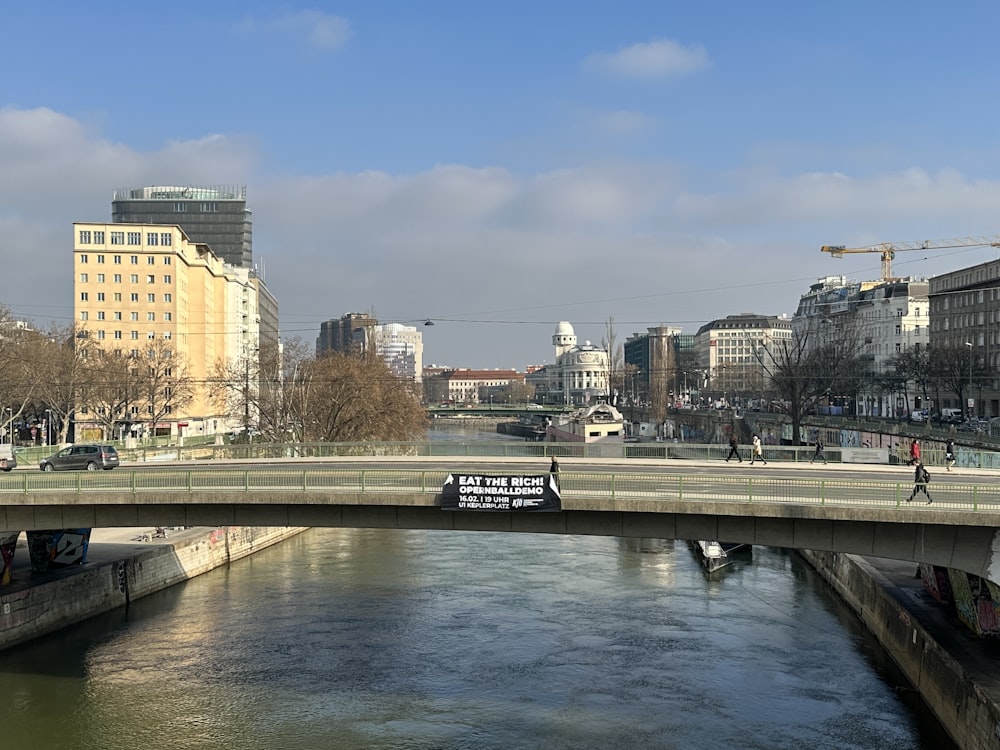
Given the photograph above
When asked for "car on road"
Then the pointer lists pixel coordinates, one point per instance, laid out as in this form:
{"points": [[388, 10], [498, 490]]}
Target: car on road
{"points": [[8, 457], [89, 456]]}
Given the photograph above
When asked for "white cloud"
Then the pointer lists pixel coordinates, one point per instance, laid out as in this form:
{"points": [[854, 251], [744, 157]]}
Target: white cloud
{"points": [[636, 241], [658, 59], [321, 31]]}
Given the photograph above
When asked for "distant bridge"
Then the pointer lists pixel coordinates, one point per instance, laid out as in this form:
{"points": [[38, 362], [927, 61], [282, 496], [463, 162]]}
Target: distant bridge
{"points": [[833, 512]]}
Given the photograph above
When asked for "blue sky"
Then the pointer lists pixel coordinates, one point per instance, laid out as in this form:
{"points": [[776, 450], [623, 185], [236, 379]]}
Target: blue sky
{"points": [[499, 167]]}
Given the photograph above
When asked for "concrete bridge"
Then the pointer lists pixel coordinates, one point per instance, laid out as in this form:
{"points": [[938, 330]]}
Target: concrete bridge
{"points": [[834, 511]]}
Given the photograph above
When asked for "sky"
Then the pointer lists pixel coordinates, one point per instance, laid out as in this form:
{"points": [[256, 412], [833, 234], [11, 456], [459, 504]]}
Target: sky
{"points": [[499, 167]]}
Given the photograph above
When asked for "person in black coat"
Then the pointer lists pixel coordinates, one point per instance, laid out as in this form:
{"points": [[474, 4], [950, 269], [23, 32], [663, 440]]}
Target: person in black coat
{"points": [[920, 479], [734, 449]]}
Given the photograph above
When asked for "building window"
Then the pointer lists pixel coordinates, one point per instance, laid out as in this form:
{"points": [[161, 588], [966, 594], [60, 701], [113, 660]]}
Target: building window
{"points": [[99, 237], [117, 260], [134, 297], [166, 335], [84, 236], [83, 278], [135, 335], [166, 258], [118, 278], [134, 278], [180, 208], [118, 238], [150, 335], [209, 208], [133, 316], [100, 335], [100, 296], [135, 238], [151, 316], [150, 260], [118, 334], [100, 314], [83, 258], [133, 259], [83, 296], [150, 279], [168, 316], [83, 315], [150, 298], [118, 315], [118, 296], [168, 297], [100, 278], [152, 238], [167, 279]]}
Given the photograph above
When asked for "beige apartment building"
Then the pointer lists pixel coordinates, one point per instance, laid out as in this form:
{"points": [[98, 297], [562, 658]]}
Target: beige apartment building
{"points": [[143, 286]]}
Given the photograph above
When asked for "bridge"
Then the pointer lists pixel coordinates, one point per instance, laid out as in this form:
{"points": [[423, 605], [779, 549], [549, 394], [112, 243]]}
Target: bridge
{"points": [[856, 510]]}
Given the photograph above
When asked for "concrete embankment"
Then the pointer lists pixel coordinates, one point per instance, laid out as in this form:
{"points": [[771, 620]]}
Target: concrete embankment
{"points": [[956, 673], [123, 564]]}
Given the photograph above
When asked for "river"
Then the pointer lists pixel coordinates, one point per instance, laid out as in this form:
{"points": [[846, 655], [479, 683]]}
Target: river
{"points": [[396, 639]]}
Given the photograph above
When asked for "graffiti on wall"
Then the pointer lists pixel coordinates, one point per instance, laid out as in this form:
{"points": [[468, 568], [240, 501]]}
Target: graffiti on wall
{"points": [[58, 548], [976, 602]]}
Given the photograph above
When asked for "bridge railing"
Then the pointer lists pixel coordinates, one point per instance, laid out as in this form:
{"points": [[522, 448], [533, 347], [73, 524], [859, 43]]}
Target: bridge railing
{"points": [[49, 487], [933, 454]]}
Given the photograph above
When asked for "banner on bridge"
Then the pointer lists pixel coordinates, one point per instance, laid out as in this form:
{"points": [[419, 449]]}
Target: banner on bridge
{"points": [[531, 492]]}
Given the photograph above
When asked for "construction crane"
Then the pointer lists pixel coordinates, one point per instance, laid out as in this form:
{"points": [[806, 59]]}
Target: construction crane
{"points": [[888, 250]]}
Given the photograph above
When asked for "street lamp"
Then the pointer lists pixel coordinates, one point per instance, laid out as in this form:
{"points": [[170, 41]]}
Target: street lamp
{"points": [[971, 402], [10, 423], [48, 427]]}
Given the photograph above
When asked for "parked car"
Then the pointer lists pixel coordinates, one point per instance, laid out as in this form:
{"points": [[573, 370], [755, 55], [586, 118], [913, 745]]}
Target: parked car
{"points": [[920, 415], [89, 456], [8, 458]]}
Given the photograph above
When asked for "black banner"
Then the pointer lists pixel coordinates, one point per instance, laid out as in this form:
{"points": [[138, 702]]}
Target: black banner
{"points": [[533, 492]]}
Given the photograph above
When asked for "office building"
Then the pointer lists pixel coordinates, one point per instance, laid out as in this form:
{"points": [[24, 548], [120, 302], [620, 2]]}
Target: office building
{"points": [[216, 216]]}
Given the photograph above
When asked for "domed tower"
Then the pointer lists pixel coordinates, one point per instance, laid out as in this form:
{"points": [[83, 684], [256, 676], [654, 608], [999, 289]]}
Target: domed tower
{"points": [[564, 339]]}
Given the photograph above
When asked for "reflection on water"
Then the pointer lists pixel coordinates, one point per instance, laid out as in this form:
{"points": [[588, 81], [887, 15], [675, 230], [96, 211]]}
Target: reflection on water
{"points": [[477, 432]]}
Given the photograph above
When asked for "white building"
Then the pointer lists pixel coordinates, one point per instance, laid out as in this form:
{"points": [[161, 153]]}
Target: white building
{"points": [[887, 317], [737, 350], [579, 375], [402, 348]]}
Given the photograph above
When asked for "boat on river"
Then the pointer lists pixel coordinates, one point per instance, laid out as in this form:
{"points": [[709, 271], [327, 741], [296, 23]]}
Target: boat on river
{"points": [[717, 555]]}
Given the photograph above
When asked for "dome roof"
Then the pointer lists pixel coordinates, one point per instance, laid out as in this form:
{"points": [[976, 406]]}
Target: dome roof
{"points": [[564, 328]]}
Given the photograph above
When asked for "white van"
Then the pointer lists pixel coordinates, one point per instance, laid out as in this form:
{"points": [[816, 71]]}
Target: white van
{"points": [[8, 460], [952, 416], [920, 415]]}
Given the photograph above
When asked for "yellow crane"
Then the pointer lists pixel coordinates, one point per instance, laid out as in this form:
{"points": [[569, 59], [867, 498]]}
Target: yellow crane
{"points": [[888, 249]]}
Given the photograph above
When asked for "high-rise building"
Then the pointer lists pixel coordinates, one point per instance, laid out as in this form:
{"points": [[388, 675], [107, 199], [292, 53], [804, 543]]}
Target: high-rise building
{"points": [[145, 287], [402, 349], [350, 333], [215, 215]]}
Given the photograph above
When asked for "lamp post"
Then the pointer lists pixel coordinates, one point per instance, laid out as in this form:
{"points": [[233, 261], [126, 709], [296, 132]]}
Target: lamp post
{"points": [[971, 402], [48, 427], [10, 422]]}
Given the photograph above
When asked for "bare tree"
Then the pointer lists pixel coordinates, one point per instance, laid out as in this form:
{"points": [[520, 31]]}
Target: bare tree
{"points": [[348, 398], [164, 384], [616, 360]]}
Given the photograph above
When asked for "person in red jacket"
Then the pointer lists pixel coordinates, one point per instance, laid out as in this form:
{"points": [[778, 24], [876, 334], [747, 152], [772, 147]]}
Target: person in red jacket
{"points": [[914, 452]]}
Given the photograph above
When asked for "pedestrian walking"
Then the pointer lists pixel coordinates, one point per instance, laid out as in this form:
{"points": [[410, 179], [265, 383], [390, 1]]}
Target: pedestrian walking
{"points": [[921, 478], [554, 471], [914, 453], [949, 454], [819, 450], [734, 449], [758, 452]]}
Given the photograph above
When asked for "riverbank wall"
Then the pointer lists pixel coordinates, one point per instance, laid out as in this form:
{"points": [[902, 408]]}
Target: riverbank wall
{"points": [[964, 704], [45, 604]]}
